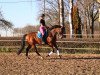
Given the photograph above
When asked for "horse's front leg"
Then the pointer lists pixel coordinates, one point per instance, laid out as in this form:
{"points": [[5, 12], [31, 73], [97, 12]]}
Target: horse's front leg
{"points": [[51, 52], [55, 45]]}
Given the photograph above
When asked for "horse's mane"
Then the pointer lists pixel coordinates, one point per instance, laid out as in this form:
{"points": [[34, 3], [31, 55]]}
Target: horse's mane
{"points": [[55, 26]]}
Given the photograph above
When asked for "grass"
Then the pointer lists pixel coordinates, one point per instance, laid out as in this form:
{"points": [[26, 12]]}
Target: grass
{"points": [[86, 50]]}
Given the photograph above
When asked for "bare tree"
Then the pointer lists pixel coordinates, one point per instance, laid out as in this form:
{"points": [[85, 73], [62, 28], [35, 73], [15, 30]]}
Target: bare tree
{"points": [[17, 31], [70, 17], [25, 30], [52, 9], [4, 24], [88, 12], [30, 28]]}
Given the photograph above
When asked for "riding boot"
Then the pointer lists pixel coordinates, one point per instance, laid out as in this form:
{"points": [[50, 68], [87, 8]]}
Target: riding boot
{"points": [[44, 39]]}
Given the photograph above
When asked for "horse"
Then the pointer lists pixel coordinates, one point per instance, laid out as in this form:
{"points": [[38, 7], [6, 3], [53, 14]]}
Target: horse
{"points": [[31, 39]]}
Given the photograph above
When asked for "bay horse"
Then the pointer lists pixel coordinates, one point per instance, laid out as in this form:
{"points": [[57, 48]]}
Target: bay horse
{"points": [[31, 39]]}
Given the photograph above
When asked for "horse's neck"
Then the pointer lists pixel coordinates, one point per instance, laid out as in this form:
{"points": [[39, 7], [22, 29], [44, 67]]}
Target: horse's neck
{"points": [[53, 29], [53, 32]]}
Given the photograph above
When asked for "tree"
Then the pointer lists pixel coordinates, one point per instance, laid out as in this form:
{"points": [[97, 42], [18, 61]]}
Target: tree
{"points": [[76, 21], [17, 31], [25, 30], [29, 28], [89, 14], [70, 17], [52, 11], [93, 16], [4, 24]]}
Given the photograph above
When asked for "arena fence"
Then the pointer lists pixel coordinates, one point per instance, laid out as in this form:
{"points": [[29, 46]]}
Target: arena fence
{"points": [[73, 45], [83, 35]]}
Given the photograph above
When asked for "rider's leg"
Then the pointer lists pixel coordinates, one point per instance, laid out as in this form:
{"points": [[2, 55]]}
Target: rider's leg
{"points": [[42, 30], [44, 37]]}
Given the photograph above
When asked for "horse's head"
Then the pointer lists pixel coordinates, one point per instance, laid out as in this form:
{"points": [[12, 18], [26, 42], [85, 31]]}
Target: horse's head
{"points": [[57, 29], [60, 31]]}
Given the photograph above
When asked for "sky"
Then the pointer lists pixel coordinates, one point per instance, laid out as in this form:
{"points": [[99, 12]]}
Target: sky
{"points": [[20, 12]]}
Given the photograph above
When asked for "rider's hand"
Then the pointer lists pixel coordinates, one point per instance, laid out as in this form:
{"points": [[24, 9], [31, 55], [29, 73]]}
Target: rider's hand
{"points": [[47, 27]]}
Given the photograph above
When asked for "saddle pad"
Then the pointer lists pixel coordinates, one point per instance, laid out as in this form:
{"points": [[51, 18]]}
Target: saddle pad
{"points": [[39, 34]]}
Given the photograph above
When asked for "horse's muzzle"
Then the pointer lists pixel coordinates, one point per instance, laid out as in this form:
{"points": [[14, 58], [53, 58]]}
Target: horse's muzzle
{"points": [[61, 36]]}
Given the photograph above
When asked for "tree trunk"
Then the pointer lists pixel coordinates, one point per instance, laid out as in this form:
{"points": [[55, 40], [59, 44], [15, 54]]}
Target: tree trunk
{"points": [[61, 5], [85, 28], [92, 28], [61, 12], [70, 18]]}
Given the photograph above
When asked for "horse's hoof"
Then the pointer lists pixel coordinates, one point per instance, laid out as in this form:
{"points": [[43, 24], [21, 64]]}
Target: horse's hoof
{"points": [[48, 56], [60, 56], [41, 57], [27, 57]]}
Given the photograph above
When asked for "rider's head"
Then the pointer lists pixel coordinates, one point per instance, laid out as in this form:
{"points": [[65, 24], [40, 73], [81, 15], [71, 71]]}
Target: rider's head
{"points": [[42, 21], [43, 15]]}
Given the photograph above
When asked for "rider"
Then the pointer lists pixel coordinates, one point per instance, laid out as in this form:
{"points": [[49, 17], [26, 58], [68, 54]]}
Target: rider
{"points": [[43, 27]]}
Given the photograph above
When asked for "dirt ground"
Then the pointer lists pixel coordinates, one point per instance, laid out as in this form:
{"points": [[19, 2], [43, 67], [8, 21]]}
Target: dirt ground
{"points": [[70, 64]]}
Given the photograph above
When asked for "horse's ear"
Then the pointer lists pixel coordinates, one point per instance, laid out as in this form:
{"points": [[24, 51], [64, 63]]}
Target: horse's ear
{"points": [[63, 28]]}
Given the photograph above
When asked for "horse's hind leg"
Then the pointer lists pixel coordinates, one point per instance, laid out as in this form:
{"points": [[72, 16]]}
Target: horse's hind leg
{"points": [[27, 50], [36, 50]]}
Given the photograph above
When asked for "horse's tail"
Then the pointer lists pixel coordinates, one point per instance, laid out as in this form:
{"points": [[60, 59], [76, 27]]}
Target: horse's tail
{"points": [[22, 44]]}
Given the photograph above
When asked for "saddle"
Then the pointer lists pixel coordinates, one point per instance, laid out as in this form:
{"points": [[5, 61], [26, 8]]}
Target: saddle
{"points": [[39, 35]]}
